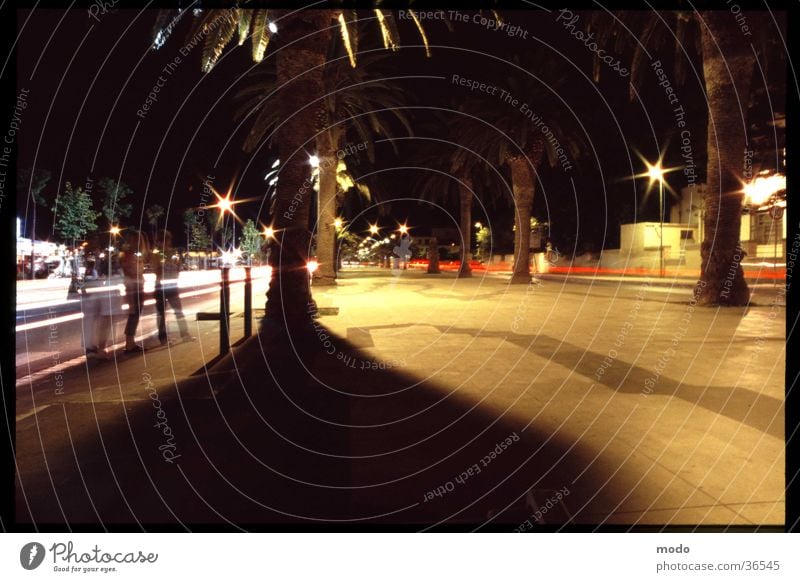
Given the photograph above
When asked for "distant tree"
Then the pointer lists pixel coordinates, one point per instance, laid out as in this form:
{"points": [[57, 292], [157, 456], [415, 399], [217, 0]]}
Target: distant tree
{"points": [[251, 241], [197, 237], [33, 181], [114, 192], [74, 218], [74, 214], [154, 215], [484, 239]]}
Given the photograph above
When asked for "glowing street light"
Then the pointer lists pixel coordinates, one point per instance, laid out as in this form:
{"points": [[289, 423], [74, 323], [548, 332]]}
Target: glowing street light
{"points": [[478, 225], [373, 229], [115, 230], [762, 188], [338, 223], [269, 232], [403, 229], [655, 173], [314, 161]]}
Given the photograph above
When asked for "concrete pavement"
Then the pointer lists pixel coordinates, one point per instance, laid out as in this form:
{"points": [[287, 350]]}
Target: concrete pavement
{"points": [[430, 400]]}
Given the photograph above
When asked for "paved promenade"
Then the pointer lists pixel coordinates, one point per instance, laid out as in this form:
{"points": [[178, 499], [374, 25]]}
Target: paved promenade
{"points": [[421, 400]]}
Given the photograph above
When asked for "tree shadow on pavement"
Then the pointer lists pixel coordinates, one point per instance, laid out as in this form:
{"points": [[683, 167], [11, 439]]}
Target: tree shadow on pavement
{"points": [[313, 432]]}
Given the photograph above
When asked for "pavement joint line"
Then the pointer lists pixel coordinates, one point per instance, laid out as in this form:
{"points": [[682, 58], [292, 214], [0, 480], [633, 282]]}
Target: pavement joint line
{"points": [[37, 410]]}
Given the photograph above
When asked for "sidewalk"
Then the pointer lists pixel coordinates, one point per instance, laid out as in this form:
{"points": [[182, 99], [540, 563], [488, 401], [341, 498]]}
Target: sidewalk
{"points": [[430, 400]]}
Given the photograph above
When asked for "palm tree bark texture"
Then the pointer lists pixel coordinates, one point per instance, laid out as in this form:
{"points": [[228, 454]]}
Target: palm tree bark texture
{"points": [[728, 65], [327, 144], [300, 61], [523, 187]]}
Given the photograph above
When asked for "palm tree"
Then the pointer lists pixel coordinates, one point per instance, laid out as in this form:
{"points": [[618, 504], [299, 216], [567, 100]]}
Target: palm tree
{"points": [[305, 37], [33, 180], [154, 214], [358, 108], [451, 173], [522, 141], [729, 60]]}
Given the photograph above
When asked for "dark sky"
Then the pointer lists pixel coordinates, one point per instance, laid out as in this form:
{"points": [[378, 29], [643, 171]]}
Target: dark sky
{"points": [[87, 80]]}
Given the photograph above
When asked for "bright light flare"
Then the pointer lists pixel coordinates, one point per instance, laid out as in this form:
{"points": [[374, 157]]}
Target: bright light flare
{"points": [[312, 266], [373, 229], [761, 189], [115, 230], [314, 161], [403, 229], [269, 232], [338, 223], [655, 172]]}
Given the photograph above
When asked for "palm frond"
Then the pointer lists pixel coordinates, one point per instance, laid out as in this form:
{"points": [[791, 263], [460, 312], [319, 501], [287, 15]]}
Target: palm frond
{"points": [[346, 39], [261, 34], [421, 33], [246, 16], [388, 30], [218, 33]]}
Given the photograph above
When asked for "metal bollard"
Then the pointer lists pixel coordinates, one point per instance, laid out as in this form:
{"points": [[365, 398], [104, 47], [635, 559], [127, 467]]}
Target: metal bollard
{"points": [[248, 303], [224, 311]]}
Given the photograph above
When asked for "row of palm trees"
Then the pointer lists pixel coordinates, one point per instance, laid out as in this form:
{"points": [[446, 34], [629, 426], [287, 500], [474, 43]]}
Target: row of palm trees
{"points": [[314, 96]]}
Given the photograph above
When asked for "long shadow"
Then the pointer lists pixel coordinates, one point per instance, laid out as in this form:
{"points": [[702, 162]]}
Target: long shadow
{"points": [[306, 430], [759, 411]]}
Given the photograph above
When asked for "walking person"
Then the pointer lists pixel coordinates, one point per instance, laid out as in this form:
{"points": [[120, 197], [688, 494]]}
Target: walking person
{"points": [[90, 307], [167, 270], [132, 265]]}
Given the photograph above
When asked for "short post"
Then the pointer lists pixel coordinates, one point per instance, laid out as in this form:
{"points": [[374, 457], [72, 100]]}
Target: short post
{"points": [[224, 311], [248, 303]]}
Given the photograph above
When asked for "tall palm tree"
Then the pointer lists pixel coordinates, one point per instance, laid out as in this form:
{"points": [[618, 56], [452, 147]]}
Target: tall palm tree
{"points": [[729, 62], [358, 109], [304, 36], [33, 180], [452, 173], [523, 142], [154, 215]]}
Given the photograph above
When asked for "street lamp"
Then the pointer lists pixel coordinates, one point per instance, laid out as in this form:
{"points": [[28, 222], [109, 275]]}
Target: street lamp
{"points": [[655, 172], [373, 229], [403, 229], [338, 223]]}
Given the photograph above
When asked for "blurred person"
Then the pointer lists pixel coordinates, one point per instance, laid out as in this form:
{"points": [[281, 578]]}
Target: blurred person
{"points": [[131, 260], [167, 271]]}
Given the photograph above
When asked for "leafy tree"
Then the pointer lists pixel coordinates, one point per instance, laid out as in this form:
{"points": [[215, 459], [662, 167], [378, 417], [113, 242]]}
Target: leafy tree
{"points": [[484, 239], [251, 241], [197, 236], [114, 192], [74, 218], [34, 182], [74, 214]]}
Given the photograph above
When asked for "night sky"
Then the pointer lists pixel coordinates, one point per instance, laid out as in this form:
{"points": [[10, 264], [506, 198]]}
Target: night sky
{"points": [[88, 79]]}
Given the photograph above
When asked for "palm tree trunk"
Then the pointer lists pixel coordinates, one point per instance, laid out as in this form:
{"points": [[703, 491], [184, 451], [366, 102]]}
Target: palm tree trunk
{"points": [[726, 56], [465, 192], [326, 214], [299, 66], [523, 189]]}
